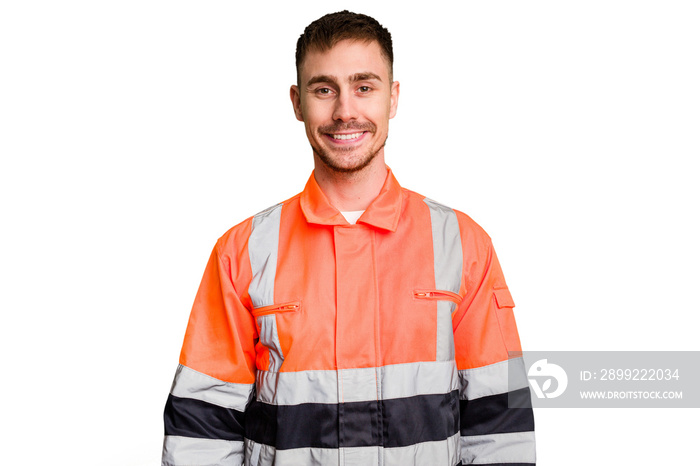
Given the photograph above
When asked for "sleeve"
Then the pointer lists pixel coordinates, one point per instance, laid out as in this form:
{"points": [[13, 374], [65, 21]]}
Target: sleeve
{"points": [[496, 418], [215, 380]]}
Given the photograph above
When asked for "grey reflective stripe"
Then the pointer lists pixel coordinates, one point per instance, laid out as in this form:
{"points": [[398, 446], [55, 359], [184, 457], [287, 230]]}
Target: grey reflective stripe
{"points": [[255, 454], [501, 377], [434, 453], [514, 447], [268, 455], [396, 381], [189, 383], [262, 251], [269, 337], [447, 247], [447, 256], [445, 350], [443, 453], [358, 384], [419, 378], [180, 451], [359, 456]]}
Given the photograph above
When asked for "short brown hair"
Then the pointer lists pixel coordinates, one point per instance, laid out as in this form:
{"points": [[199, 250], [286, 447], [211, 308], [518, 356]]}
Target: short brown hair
{"points": [[332, 28]]}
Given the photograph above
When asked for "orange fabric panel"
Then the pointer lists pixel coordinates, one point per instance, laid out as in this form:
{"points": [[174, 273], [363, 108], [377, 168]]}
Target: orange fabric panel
{"points": [[483, 333], [401, 269], [356, 287], [306, 273], [509, 330], [219, 340]]}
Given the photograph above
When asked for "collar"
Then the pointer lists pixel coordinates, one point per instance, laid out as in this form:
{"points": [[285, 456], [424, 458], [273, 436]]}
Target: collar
{"points": [[383, 212]]}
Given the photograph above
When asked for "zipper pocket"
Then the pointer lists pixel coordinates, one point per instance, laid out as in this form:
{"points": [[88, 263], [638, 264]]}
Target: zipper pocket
{"points": [[277, 308], [437, 295]]}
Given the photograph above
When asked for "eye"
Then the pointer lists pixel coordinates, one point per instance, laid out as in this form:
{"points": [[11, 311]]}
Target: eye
{"points": [[364, 89], [324, 91]]}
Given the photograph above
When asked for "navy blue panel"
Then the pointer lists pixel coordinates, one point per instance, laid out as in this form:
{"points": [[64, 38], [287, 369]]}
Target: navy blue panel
{"points": [[198, 419], [491, 414], [359, 424], [389, 423], [426, 418], [306, 425]]}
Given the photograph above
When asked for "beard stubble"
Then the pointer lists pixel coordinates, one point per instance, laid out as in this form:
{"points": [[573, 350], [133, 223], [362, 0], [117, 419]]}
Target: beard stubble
{"points": [[333, 163]]}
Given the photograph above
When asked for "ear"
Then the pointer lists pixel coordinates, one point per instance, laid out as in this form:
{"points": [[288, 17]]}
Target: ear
{"points": [[296, 101], [394, 99]]}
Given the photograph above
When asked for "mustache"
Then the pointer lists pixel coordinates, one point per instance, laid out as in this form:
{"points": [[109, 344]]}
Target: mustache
{"points": [[350, 126]]}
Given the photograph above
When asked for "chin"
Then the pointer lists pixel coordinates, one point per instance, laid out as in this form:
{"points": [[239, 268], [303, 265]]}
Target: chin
{"points": [[340, 166]]}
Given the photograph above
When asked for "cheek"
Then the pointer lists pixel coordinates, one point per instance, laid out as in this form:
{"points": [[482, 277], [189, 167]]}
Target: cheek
{"points": [[310, 132], [314, 115], [381, 112]]}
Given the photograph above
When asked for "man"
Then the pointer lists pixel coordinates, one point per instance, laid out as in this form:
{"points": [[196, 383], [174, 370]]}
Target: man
{"points": [[357, 323]]}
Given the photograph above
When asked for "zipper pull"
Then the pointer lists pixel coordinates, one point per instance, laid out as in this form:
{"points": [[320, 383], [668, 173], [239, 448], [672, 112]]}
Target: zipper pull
{"points": [[438, 295]]}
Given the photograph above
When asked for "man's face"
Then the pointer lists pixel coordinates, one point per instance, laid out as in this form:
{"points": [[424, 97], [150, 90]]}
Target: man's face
{"points": [[345, 99]]}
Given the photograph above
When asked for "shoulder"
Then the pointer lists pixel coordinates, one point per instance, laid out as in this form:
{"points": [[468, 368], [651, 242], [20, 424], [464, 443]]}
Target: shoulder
{"points": [[469, 230], [238, 236]]}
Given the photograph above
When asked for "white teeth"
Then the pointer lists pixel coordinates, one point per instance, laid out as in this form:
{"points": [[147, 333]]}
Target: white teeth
{"points": [[346, 136]]}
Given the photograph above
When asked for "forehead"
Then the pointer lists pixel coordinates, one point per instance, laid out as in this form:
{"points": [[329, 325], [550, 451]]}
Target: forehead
{"points": [[344, 59]]}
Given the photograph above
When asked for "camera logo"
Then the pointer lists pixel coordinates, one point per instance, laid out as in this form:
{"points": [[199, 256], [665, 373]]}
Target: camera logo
{"points": [[547, 372]]}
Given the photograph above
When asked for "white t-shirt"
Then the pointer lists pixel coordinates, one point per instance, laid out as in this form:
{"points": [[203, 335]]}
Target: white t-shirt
{"points": [[352, 216]]}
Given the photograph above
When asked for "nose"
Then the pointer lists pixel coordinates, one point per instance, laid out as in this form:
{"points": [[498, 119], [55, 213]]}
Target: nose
{"points": [[344, 109]]}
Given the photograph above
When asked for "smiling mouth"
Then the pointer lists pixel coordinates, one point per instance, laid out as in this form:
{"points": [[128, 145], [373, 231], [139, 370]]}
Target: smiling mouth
{"points": [[343, 137]]}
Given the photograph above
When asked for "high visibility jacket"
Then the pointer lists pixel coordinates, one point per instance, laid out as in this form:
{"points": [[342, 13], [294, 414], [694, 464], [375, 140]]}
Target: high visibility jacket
{"points": [[316, 342]]}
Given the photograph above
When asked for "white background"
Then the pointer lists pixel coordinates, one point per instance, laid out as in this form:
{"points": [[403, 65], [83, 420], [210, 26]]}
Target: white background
{"points": [[134, 133]]}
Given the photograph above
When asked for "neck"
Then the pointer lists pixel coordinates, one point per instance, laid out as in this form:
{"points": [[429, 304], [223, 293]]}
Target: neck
{"points": [[351, 191]]}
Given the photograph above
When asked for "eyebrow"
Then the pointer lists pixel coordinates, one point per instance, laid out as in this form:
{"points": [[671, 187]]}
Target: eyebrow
{"points": [[324, 78]]}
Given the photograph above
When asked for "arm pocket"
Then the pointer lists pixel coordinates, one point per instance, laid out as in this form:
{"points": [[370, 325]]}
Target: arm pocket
{"points": [[506, 319]]}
